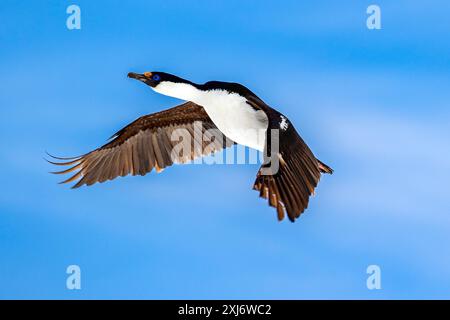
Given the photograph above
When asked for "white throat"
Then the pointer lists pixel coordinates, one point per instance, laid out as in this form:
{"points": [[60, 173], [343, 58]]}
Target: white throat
{"points": [[183, 91], [229, 111]]}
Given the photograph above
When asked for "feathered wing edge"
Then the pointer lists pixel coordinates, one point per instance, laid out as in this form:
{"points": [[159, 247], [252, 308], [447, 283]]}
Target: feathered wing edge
{"points": [[146, 144], [289, 189]]}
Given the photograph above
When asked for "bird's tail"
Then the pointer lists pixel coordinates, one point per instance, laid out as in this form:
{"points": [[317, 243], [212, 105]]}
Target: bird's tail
{"points": [[324, 168]]}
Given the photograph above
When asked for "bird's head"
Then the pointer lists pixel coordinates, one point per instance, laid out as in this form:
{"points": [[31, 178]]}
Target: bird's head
{"points": [[165, 83], [150, 78]]}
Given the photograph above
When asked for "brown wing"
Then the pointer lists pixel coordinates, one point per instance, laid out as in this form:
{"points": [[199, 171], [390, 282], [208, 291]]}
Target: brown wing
{"points": [[289, 188], [158, 140]]}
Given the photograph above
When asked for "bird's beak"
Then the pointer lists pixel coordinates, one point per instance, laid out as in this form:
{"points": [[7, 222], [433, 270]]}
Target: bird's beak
{"points": [[146, 78]]}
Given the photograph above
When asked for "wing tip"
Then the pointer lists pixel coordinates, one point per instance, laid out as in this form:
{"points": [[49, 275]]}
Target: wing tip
{"points": [[324, 168], [62, 158]]}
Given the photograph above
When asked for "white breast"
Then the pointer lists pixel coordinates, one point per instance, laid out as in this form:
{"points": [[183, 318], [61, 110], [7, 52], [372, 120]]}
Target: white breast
{"points": [[235, 117], [229, 112]]}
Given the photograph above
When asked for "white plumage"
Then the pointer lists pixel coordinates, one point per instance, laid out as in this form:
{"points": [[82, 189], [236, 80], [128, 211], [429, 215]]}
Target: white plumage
{"points": [[230, 112]]}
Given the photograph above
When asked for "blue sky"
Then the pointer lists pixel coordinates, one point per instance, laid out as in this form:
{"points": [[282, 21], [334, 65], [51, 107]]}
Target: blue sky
{"points": [[373, 104]]}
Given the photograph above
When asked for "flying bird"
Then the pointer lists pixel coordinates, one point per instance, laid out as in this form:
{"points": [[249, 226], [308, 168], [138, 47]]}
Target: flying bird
{"points": [[224, 107]]}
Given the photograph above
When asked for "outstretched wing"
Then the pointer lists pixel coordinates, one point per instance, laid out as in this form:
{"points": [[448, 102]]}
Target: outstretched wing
{"points": [[158, 140]]}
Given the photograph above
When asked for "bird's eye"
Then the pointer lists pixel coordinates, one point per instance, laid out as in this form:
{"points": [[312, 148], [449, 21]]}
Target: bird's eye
{"points": [[156, 77]]}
